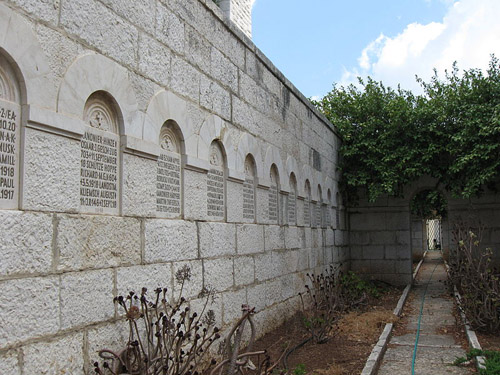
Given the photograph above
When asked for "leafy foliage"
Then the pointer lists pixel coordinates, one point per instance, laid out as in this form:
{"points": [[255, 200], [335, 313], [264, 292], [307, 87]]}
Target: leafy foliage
{"points": [[393, 137], [492, 362], [428, 204]]}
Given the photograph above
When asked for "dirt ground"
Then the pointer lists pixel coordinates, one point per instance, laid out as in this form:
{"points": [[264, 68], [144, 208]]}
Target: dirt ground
{"points": [[346, 351]]}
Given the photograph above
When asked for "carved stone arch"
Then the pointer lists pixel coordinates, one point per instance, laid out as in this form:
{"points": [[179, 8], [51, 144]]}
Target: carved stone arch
{"points": [[22, 49], [214, 128], [248, 144], [166, 106], [216, 182], [273, 157], [292, 166], [90, 73], [306, 174]]}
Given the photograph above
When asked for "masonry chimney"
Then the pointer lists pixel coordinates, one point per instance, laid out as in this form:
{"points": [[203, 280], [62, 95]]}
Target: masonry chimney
{"points": [[240, 12]]}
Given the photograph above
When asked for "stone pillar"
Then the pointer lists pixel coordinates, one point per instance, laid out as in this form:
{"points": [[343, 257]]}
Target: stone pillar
{"points": [[240, 12]]}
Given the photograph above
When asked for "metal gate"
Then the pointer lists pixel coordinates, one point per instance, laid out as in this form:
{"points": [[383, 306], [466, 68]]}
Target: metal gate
{"points": [[433, 231]]}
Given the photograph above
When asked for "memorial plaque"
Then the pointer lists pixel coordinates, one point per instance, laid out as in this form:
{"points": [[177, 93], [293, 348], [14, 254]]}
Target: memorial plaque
{"points": [[292, 199], [328, 215], [307, 213], [273, 197], [249, 192], [99, 169], [317, 211], [168, 185], [215, 185], [169, 174], [9, 154]]}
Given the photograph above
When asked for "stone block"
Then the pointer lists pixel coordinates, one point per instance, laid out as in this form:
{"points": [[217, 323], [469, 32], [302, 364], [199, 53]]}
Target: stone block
{"points": [[198, 305], [86, 298], [112, 336], [90, 20], [218, 273], [185, 79], [256, 296], [197, 49], [154, 60], [60, 51], [382, 237], [403, 267], [60, 356], [29, 309], [367, 221], [9, 363], [373, 252], [51, 179], [308, 238], [317, 238], [47, 11], [274, 237], [244, 270], [232, 302], [303, 261], [329, 237], [373, 266], [234, 192], [92, 241], [139, 12], [217, 239], [397, 220], [273, 292], [262, 205], [341, 237], [215, 98], [293, 239], [149, 276], [291, 260], [170, 29], [397, 252], [194, 285], [264, 267], [195, 187], [139, 183], [250, 238], [169, 240], [359, 238], [356, 252], [403, 237], [26, 246]]}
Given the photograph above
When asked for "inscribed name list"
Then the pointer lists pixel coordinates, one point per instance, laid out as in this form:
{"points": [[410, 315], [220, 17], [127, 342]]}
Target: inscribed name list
{"points": [[99, 172], [168, 185], [215, 194], [9, 154]]}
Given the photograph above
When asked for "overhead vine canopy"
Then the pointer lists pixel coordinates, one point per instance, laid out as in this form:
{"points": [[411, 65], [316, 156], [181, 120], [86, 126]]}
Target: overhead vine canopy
{"points": [[392, 137]]}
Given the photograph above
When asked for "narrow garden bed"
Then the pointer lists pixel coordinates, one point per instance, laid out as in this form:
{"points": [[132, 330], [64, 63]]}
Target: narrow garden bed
{"points": [[349, 344]]}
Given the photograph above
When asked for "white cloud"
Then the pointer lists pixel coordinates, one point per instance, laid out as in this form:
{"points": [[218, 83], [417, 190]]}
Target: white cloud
{"points": [[469, 33]]}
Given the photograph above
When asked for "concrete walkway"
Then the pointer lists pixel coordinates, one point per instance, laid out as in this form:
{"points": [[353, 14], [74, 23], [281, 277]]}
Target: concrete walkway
{"points": [[436, 349]]}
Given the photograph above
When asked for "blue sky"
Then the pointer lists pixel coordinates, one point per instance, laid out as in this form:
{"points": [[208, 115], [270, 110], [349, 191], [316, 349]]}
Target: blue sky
{"points": [[316, 43]]}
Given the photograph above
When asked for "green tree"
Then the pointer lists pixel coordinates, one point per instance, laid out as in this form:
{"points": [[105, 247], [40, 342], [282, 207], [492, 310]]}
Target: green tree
{"points": [[393, 137]]}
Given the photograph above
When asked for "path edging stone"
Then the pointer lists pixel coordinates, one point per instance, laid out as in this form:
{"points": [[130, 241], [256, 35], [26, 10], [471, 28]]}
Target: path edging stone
{"points": [[378, 351]]}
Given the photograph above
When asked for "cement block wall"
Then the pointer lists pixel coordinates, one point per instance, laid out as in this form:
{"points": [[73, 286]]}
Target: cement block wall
{"points": [[155, 79]]}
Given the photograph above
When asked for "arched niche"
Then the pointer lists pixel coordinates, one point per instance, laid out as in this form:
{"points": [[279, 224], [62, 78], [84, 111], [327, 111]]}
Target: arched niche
{"points": [[248, 144], [169, 178], [20, 45], [274, 195], [10, 135], [273, 157], [292, 200], [100, 159], [249, 189], [92, 72], [214, 128], [166, 105], [307, 203], [216, 182]]}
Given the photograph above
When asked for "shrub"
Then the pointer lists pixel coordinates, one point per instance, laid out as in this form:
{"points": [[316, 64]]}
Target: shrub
{"points": [[471, 272]]}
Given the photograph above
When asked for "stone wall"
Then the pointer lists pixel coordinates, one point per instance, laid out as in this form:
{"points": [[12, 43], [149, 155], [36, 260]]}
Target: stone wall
{"points": [[239, 12], [384, 237], [137, 137]]}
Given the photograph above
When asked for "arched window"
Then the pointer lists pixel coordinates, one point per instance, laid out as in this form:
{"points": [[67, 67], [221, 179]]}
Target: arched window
{"points": [[292, 201], [100, 156], [307, 204], [249, 188], [337, 211], [274, 195], [169, 177], [10, 135], [216, 183]]}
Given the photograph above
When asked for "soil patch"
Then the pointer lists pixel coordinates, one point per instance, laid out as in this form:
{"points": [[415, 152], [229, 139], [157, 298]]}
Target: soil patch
{"points": [[489, 341], [347, 349]]}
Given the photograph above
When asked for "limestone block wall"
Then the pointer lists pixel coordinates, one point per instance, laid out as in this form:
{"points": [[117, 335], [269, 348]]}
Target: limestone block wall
{"points": [[239, 12], [138, 137], [384, 237]]}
